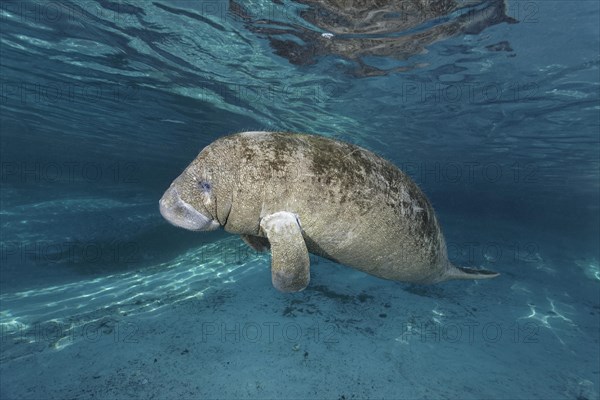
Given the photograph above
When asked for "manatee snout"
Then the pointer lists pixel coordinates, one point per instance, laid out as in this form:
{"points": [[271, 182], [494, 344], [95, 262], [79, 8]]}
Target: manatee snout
{"points": [[179, 213]]}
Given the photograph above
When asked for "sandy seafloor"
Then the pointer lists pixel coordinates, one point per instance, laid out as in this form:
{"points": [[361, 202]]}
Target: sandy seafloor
{"points": [[208, 324]]}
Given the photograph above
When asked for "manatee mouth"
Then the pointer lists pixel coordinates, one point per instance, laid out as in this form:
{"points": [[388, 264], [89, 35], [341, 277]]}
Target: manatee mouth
{"points": [[183, 215]]}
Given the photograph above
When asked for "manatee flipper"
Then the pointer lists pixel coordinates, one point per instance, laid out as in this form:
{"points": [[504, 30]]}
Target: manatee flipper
{"points": [[290, 264], [256, 242], [469, 273]]}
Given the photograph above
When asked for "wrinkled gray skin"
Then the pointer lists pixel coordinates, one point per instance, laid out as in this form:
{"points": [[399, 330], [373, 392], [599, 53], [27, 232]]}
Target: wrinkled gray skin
{"points": [[296, 193]]}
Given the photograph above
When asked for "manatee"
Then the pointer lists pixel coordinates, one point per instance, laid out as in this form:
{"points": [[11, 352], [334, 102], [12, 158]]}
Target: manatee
{"points": [[299, 193]]}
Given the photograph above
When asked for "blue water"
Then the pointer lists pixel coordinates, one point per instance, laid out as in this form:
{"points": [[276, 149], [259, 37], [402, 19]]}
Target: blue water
{"points": [[492, 108]]}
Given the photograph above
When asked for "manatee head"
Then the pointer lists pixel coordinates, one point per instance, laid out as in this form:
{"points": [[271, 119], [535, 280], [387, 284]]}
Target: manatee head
{"points": [[200, 198]]}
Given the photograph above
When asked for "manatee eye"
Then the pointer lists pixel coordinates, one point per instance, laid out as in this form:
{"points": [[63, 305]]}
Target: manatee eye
{"points": [[204, 186]]}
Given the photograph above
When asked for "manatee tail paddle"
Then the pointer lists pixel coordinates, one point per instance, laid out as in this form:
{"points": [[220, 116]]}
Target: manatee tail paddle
{"points": [[470, 273]]}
